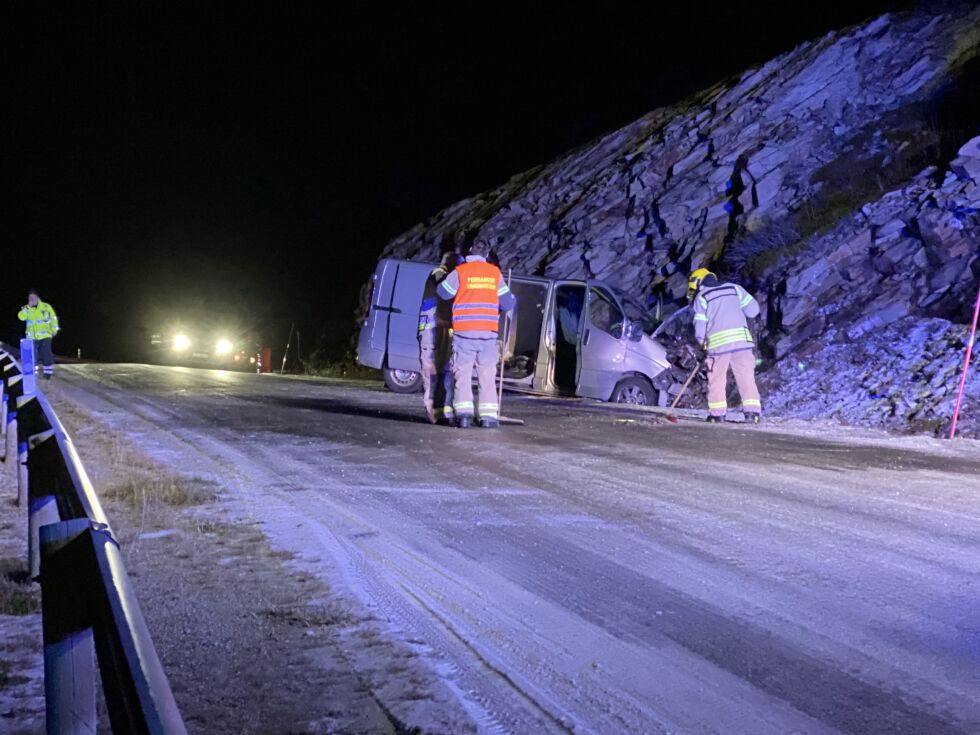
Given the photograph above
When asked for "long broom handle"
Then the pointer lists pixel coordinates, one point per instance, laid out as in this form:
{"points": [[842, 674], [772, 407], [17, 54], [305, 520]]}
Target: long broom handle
{"points": [[687, 382], [503, 351], [966, 366]]}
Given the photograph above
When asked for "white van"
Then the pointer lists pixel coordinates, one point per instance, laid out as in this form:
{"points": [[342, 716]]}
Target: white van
{"points": [[571, 337]]}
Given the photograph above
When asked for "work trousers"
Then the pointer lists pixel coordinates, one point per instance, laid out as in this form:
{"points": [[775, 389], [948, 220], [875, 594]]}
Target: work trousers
{"points": [[482, 353], [43, 355], [435, 351], [742, 364]]}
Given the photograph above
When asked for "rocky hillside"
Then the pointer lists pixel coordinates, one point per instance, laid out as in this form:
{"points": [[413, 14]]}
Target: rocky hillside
{"points": [[840, 182]]}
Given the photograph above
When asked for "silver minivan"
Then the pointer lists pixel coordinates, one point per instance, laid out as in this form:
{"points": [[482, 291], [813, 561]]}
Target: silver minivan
{"points": [[570, 337]]}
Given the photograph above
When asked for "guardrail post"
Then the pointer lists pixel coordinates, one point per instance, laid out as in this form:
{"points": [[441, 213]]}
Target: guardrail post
{"points": [[69, 645], [23, 481], [3, 421], [39, 460], [5, 360], [15, 390], [9, 372], [87, 597], [27, 366]]}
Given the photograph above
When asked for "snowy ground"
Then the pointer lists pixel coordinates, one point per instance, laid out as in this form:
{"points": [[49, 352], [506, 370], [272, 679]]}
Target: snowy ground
{"points": [[597, 570]]}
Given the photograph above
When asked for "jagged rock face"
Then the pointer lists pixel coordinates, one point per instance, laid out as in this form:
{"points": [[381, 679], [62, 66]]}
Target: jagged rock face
{"points": [[914, 251], [777, 179], [903, 376], [642, 204]]}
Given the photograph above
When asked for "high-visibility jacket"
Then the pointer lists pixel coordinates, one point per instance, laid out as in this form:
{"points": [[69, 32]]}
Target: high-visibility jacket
{"points": [[478, 292], [720, 318], [42, 322]]}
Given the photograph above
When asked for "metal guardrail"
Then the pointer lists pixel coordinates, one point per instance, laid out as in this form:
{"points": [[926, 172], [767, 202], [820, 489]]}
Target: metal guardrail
{"points": [[88, 606]]}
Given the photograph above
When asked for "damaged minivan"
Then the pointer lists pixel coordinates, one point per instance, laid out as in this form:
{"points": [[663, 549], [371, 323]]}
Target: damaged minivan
{"points": [[570, 338]]}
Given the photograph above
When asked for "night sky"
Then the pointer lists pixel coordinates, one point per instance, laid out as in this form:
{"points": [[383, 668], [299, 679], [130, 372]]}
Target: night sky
{"points": [[248, 162]]}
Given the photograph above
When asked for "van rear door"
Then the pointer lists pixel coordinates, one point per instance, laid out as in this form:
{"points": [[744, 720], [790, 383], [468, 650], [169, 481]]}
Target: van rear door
{"points": [[602, 343], [372, 342], [403, 314], [389, 335]]}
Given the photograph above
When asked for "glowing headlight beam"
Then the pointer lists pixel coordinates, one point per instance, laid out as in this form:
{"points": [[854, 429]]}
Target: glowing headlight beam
{"points": [[181, 342], [223, 347]]}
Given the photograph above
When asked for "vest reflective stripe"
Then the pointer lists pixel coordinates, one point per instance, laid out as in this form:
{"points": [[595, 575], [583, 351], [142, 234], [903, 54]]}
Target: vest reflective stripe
{"points": [[474, 317], [476, 307], [728, 336], [459, 307]]}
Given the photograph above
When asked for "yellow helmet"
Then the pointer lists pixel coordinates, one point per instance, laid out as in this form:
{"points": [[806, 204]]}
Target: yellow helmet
{"points": [[694, 282]]}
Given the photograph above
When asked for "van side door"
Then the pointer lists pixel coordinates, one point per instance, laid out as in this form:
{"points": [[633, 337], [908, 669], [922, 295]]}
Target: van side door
{"points": [[602, 343]]}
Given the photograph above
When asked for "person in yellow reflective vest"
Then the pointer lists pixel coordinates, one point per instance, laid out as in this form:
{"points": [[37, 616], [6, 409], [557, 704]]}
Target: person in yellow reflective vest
{"points": [[42, 326], [720, 325]]}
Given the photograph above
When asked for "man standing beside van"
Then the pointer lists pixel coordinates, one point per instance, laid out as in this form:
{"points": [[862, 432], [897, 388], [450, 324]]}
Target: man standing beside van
{"points": [[720, 311], [42, 326], [435, 345], [478, 293]]}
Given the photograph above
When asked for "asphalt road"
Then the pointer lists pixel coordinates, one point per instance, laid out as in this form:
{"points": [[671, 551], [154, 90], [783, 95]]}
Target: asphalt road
{"points": [[605, 571]]}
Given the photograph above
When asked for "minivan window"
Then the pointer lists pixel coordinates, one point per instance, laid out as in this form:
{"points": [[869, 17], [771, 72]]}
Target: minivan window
{"points": [[605, 314], [636, 313]]}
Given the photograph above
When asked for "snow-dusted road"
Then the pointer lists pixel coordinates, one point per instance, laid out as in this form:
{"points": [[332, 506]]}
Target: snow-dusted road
{"points": [[603, 572]]}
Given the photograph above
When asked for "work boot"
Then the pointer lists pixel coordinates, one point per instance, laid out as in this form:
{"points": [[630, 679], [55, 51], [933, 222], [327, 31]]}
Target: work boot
{"points": [[716, 419], [753, 418], [464, 422], [47, 376], [489, 423]]}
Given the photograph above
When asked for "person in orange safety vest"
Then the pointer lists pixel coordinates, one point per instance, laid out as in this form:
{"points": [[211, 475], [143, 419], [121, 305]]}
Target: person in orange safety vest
{"points": [[478, 293]]}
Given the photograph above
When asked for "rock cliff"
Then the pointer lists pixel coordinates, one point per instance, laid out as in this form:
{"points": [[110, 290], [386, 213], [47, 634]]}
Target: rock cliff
{"points": [[840, 182]]}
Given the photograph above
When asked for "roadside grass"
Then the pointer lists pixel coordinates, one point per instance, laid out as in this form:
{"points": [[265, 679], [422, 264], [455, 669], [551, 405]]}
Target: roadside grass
{"points": [[175, 492], [129, 477], [310, 616], [7, 676], [18, 596]]}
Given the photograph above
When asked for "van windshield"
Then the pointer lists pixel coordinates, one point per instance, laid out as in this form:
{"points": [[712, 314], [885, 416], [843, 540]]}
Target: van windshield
{"points": [[637, 313]]}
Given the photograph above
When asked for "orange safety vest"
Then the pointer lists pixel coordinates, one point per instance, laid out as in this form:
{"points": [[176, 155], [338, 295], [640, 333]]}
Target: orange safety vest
{"points": [[476, 307]]}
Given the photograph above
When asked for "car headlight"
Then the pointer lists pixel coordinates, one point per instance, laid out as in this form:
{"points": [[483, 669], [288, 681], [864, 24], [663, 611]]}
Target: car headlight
{"points": [[181, 342], [223, 347]]}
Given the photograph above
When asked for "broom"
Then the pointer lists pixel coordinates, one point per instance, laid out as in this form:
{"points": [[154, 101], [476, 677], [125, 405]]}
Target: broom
{"points": [[671, 416]]}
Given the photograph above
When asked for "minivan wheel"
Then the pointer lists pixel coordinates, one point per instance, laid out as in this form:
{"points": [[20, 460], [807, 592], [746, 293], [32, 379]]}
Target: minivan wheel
{"points": [[403, 381], [636, 391]]}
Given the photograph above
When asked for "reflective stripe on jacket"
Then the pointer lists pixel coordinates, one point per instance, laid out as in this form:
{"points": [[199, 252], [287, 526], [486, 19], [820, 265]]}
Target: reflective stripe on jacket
{"points": [[720, 318], [42, 322]]}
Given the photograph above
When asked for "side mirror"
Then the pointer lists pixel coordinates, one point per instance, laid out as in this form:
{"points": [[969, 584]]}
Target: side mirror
{"points": [[634, 331]]}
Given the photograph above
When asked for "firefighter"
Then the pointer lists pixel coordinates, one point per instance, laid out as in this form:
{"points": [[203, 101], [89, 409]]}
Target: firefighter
{"points": [[435, 345], [720, 326], [478, 293], [42, 326]]}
